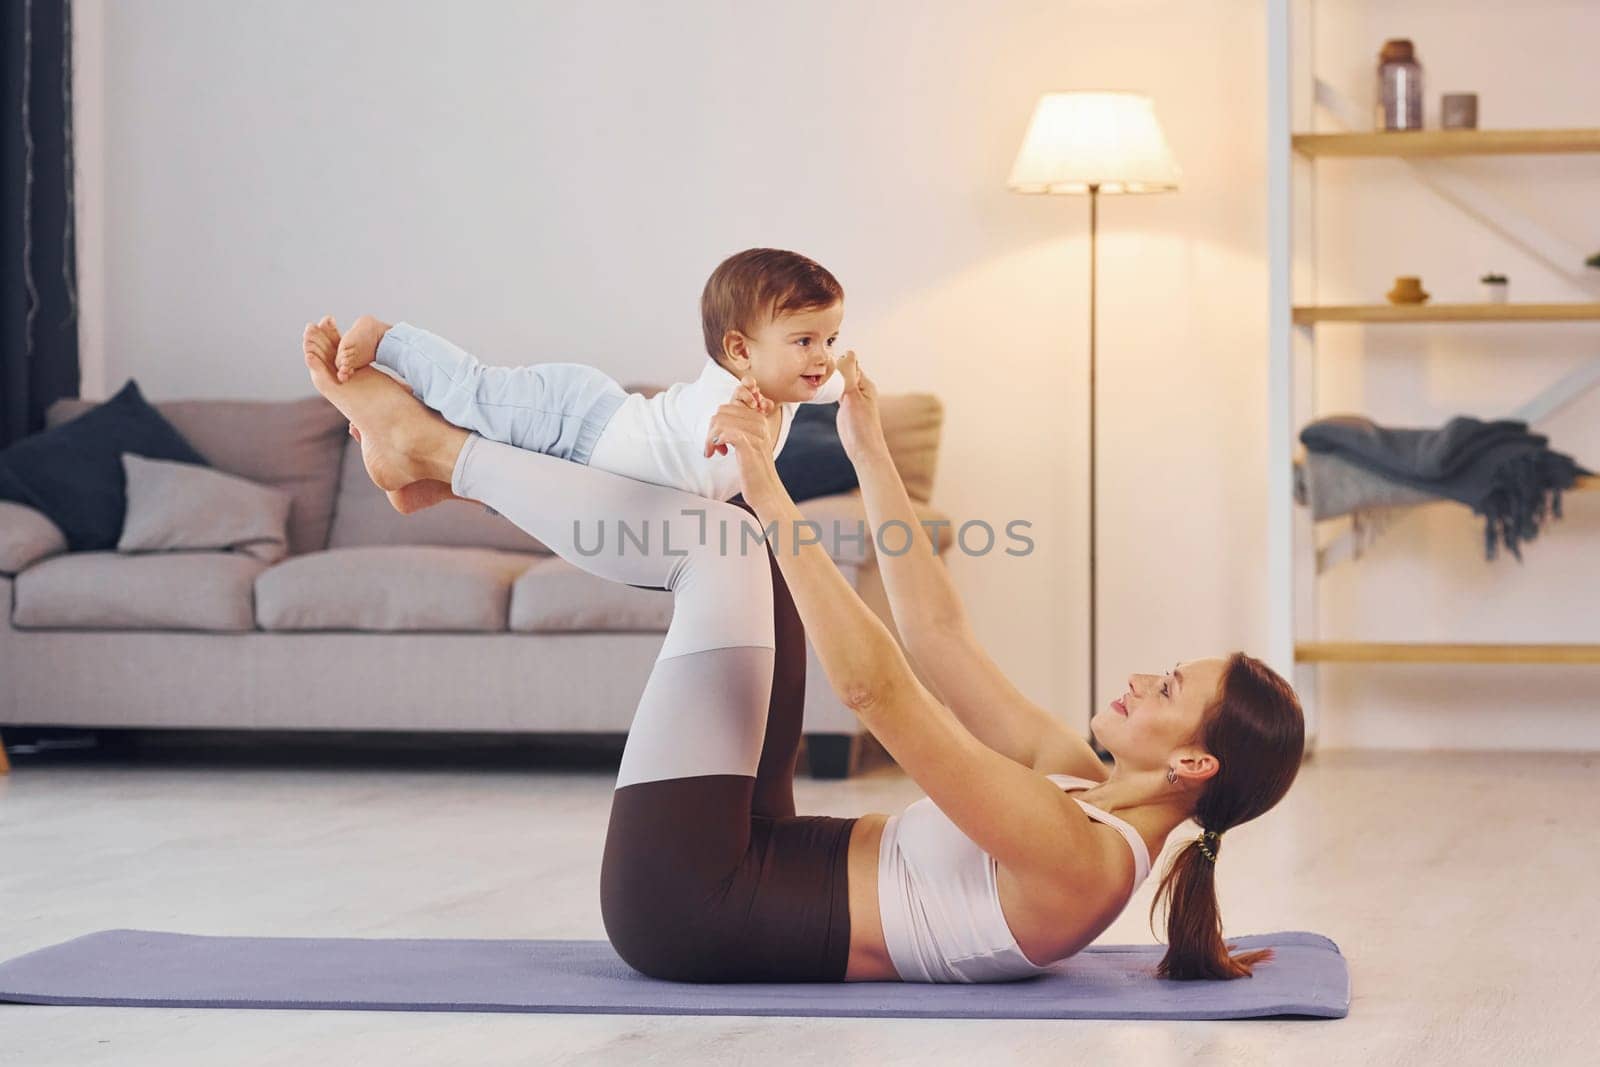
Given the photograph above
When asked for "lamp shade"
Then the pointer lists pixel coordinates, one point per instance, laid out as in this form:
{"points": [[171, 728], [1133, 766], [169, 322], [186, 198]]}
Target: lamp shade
{"points": [[1106, 139]]}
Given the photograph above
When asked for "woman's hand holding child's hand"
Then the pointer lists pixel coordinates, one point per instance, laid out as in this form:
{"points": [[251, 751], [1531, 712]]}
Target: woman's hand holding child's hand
{"points": [[749, 395], [741, 424]]}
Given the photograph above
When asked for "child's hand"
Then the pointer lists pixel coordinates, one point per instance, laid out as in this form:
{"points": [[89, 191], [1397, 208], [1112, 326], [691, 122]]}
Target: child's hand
{"points": [[743, 428], [359, 346], [749, 394]]}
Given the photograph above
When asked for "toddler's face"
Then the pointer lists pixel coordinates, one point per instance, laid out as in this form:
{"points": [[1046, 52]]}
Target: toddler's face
{"points": [[793, 354]]}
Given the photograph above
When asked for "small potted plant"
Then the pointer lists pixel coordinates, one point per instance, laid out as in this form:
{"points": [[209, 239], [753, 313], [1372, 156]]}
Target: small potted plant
{"points": [[1495, 288]]}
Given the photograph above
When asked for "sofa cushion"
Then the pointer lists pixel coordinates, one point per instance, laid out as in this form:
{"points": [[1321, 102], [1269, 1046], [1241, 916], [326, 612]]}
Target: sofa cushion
{"points": [[363, 516], [555, 596], [166, 591], [813, 461], [292, 445], [390, 588], [182, 506], [912, 424], [73, 472], [26, 537]]}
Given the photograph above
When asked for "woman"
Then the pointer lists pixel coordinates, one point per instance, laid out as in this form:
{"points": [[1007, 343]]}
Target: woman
{"points": [[708, 874]]}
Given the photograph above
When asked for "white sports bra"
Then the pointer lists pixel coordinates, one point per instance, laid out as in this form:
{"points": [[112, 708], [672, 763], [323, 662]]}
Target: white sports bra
{"points": [[940, 900]]}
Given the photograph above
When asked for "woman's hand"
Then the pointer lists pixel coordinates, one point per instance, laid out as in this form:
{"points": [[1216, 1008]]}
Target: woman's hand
{"points": [[743, 426], [860, 428]]}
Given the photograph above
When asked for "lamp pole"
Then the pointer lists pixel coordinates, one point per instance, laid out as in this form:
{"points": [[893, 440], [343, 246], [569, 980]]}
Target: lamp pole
{"points": [[1094, 225]]}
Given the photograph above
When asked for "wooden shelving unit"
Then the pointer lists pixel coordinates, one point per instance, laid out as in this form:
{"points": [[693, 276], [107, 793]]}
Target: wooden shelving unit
{"points": [[1422, 144], [1390, 652], [1293, 326], [1308, 315]]}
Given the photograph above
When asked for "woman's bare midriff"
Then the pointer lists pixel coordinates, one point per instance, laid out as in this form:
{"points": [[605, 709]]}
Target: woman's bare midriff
{"points": [[869, 956]]}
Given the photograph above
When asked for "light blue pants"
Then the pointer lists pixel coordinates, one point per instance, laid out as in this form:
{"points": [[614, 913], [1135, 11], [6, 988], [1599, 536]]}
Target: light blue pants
{"points": [[558, 409]]}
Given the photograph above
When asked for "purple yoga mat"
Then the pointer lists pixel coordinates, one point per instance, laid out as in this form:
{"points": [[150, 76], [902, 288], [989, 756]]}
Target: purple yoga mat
{"points": [[151, 969]]}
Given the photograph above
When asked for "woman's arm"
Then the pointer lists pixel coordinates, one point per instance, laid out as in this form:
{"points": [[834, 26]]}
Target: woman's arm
{"points": [[932, 622], [1015, 814]]}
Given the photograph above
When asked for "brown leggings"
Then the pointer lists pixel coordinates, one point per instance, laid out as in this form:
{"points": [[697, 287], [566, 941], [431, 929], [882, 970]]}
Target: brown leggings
{"points": [[714, 878]]}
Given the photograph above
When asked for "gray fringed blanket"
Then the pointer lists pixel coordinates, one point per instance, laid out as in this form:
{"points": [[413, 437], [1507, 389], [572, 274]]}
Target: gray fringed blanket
{"points": [[1498, 469]]}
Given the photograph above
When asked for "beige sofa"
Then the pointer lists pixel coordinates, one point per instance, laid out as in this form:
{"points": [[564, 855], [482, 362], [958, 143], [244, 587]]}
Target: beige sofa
{"points": [[450, 619]]}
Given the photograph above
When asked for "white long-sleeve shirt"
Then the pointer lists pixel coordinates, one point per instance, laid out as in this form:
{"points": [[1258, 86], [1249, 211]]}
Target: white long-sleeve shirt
{"points": [[662, 438]]}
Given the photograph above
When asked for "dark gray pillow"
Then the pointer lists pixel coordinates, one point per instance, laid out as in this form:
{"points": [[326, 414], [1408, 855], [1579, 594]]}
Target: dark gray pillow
{"points": [[813, 462], [73, 473]]}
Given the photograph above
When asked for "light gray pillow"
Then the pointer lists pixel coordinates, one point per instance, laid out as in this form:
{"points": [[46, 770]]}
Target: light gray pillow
{"points": [[186, 506], [26, 537]]}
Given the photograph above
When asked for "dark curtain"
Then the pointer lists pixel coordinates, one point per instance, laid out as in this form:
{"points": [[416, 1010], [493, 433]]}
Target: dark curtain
{"points": [[38, 271]]}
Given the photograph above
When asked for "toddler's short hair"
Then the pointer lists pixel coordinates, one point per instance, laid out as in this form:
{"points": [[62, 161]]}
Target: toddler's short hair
{"points": [[762, 282]]}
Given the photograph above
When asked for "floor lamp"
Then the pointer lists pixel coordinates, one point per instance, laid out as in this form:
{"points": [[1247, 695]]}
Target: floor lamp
{"points": [[1094, 143]]}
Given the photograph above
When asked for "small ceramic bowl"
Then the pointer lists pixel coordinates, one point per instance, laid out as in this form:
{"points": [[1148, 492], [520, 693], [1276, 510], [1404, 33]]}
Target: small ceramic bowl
{"points": [[1407, 290]]}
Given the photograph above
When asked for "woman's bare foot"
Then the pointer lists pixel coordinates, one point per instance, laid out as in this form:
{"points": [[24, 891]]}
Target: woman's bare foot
{"points": [[410, 499], [321, 339], [401, 440], [419, 495]]}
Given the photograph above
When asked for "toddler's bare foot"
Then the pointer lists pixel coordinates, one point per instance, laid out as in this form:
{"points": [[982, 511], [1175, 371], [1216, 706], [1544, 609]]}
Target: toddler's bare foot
{"points": [[358, 347], [401, 441]]}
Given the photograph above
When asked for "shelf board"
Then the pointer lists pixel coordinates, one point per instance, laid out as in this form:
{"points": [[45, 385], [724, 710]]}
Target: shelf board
{"points": [[1387, 652], [1425, 143], [1308, 314], [1589, 483]]}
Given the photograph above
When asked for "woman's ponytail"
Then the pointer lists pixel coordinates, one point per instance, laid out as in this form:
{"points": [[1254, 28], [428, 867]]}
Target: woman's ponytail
{"points": [[1195, 948]]}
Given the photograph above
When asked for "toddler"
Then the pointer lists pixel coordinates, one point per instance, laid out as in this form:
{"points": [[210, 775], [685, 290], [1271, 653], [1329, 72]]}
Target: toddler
{"points": [[770, 319]]}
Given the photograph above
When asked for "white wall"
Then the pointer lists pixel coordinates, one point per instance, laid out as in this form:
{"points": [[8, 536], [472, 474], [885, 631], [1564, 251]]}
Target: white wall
{"points": [[555, 181]]}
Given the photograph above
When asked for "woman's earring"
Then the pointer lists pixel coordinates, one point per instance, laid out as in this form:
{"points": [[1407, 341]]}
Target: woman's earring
{"points": [[1172, 776]]}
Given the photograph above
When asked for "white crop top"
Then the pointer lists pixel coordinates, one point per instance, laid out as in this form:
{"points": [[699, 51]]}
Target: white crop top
{"points": [[940, 900]]}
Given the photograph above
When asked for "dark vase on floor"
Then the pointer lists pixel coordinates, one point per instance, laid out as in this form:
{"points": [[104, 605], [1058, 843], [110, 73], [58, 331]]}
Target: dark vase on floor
{"points": [[830, 755]]}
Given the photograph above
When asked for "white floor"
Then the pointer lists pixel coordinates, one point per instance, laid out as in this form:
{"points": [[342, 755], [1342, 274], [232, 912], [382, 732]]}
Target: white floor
{"points": [[1461, 887]]}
